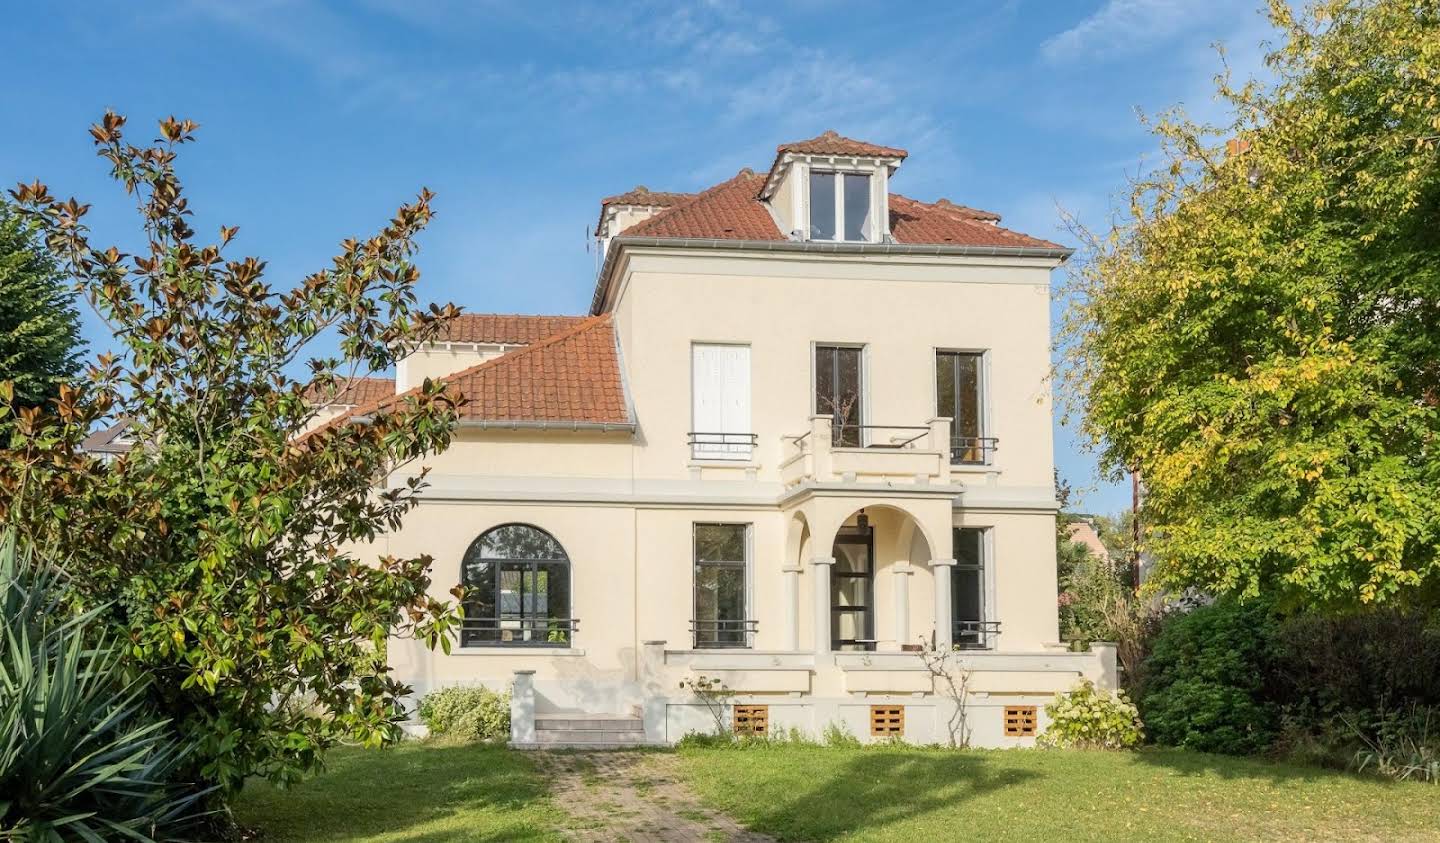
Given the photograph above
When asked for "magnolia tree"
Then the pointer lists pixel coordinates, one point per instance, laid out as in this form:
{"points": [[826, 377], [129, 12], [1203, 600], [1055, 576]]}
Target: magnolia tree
{"points": [[1260, 337], [223, 546]]}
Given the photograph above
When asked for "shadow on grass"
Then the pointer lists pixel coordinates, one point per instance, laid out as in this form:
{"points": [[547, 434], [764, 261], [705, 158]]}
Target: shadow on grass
{"points": [[874, 789], [412, 793], [1186, 762]]}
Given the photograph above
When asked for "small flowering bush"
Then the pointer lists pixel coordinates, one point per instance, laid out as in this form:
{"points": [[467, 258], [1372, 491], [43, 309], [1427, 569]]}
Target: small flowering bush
{"points": [[467, 713], [1088, 718]]}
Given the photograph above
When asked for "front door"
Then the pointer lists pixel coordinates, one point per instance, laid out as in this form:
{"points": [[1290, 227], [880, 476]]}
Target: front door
{"points": [[852, 590]]}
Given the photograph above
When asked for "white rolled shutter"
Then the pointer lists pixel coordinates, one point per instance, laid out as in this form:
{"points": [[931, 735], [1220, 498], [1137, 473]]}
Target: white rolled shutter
{"points": [[721, 411]]}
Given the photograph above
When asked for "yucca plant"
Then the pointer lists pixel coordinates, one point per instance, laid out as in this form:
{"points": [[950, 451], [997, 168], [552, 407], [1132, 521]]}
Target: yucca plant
{"points": [[82, 754]]}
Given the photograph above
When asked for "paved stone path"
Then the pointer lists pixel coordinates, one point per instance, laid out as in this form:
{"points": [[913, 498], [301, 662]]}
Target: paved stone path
{"points": [[636, 796]]}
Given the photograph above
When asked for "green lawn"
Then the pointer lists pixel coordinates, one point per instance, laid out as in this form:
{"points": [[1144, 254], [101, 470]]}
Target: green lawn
{"points": [[426, 792], [798, 793], [414, 792]]}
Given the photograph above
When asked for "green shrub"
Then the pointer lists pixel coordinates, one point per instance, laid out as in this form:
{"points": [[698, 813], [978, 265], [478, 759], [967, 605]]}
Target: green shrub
{"points": [[1088, 718], [1405, 745], [83, 755], [467, 713], [1208, 680]]}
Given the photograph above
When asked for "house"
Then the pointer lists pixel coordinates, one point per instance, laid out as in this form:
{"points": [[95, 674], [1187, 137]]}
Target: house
{"points": [[804, 430]]}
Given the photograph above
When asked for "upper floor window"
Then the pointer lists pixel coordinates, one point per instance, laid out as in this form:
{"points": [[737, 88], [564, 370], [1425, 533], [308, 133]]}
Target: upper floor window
{"points": [[959, 394], [720, 410], [840, 206], [840, 391]]}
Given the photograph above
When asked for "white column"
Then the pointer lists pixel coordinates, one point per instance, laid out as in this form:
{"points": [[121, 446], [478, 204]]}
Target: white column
{"points": [[820, 567], [792, 607], [522, 707], [944, 629], [902, 572]]}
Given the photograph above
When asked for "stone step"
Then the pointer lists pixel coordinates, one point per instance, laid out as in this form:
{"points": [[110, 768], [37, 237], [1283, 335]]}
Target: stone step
{"points": [[588, 736], [605, 722]]}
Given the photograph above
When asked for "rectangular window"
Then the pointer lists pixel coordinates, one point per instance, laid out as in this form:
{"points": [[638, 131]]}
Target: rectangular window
{"points": [[720, 418], [721, 560], [857, 207], [959, 394], [967, 589], [839, 391], [840, 207], [822, 206]]}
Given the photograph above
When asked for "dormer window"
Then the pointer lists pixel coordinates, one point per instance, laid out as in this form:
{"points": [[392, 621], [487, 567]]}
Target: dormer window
{"points": [[840, 207]]}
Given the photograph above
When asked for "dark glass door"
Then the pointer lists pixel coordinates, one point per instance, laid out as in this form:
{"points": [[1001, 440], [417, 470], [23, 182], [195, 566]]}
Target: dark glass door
{"points": [[852, 590]]}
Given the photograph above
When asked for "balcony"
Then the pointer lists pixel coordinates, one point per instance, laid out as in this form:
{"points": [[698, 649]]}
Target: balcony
{"points": [[917, 454], [517, 631], [973, 450], [739, 447], [723, 634]]}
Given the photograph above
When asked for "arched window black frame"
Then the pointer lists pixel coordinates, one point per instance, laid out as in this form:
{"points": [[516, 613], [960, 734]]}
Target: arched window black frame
{"points": [[517, 590]]}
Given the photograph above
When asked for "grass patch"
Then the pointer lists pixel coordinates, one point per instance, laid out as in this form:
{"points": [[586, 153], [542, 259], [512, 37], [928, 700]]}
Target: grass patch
{"points": [[809, 793], [414, 792]]}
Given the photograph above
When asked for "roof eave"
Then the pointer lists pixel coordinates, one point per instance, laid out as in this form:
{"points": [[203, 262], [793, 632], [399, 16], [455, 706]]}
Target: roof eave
{"points": [[1059, 254]]}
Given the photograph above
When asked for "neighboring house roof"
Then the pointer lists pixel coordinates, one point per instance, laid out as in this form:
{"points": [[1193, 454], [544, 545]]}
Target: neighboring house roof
{"points": [[831, 143], [1084, 533], [115, 439], [353, 392], [570, 378], [505, 328]]}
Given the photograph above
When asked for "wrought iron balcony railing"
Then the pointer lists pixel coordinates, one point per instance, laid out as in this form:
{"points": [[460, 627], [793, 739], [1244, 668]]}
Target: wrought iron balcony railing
{"points": [[723, 634], [517, 632], [974, 635], [972, 450], [721, 446]]}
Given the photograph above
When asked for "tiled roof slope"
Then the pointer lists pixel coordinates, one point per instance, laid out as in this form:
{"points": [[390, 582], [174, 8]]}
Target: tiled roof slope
{"points": [[504, 328], [727, 211], [642, 195], [353, 392], [830, 143], [570, 377], [913, 221], [731, 211]]}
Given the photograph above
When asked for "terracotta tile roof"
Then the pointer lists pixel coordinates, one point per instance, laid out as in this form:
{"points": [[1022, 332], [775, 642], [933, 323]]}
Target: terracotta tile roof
{"points": [[831, 143], [505, 328], [940, 223], [642, 195], [356, 391], [727, 211], [570, 377]]}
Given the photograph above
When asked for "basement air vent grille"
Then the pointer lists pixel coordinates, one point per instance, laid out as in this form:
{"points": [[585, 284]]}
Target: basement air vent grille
{"points": [[887, 720], [752, 720], [1020, 721]]}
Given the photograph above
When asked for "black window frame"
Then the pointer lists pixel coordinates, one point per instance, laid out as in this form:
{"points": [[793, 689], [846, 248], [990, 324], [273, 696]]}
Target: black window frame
{"points": [[861, 535], [843, 434], [968, 446], [487, 629], [977, 636], [721, 633]]}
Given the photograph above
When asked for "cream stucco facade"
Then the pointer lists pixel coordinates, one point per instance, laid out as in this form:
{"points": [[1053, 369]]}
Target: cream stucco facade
{"points": [[623, 500]]}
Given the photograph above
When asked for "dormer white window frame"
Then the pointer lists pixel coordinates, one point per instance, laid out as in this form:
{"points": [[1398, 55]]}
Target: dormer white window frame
{"points": [[797, 169]]}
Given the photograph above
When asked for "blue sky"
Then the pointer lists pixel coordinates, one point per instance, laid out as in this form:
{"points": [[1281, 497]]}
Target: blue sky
{"points": [[318, 118]]}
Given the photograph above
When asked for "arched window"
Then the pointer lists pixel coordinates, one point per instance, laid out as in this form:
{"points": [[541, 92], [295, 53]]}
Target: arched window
{"points": [[517, 590]]}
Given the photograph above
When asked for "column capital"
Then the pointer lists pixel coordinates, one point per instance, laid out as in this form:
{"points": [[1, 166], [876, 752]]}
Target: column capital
{"points": [[791, 569], [829, 560], [902, 568], [943, 563]]}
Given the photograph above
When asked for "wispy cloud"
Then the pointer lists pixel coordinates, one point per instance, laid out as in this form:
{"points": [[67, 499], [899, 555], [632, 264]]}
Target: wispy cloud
{"points": [[1127, 27]]}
